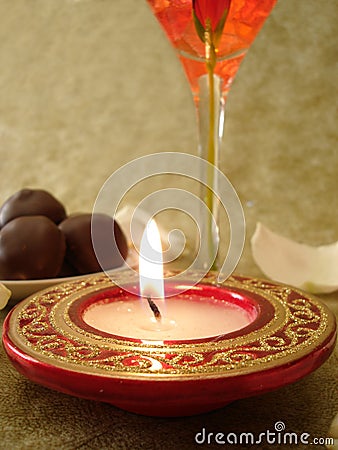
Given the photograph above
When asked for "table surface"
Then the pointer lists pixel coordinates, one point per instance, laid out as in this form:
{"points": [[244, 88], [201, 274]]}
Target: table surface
{"points": [[88, 86]]}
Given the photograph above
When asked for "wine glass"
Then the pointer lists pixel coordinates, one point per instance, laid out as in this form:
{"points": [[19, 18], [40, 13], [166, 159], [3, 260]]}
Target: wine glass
{"points": [[211, 38]]}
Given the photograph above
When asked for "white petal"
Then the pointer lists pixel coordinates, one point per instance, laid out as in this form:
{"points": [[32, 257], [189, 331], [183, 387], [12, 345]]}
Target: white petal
{"points": [[314, 269], [5, 295], [333, 432]]}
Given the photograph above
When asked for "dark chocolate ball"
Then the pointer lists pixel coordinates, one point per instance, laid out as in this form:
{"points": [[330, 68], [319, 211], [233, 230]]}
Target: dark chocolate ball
{"points": [[31, 247], [80, 252], [32, 202], [67, 270]]}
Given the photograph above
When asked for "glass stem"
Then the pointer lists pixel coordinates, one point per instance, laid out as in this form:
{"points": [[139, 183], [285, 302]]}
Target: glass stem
{"points": [[210, 118]]}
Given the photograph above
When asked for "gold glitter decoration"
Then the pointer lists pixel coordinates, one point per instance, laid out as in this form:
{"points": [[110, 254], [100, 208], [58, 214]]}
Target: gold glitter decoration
{"points": [[42, 327]]}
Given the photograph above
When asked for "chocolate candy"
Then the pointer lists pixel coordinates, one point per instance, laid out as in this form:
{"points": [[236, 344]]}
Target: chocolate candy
{"points": [[80, 252], [31, 247], [67, 270], [32, 202]]}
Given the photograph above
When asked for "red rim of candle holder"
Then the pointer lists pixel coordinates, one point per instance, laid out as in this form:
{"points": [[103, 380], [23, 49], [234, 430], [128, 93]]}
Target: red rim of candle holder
{"points": [[254, 307], [47, 340]]}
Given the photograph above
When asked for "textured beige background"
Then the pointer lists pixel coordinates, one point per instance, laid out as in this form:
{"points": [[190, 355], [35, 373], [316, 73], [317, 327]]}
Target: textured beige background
{"points": [[87, 86]]}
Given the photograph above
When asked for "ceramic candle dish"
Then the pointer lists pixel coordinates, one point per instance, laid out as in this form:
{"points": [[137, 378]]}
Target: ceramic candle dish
{"points": [[290, 335]]}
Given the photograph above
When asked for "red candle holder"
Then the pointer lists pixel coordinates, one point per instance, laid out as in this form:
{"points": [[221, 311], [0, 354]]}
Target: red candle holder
{"points": [[47, 340]]}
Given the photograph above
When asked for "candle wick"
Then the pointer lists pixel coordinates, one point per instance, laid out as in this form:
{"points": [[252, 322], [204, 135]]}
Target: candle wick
{"points": [[154, 308]]}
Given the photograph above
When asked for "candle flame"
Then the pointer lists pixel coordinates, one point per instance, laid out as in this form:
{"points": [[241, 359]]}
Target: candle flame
{"points": [[151, 262]]}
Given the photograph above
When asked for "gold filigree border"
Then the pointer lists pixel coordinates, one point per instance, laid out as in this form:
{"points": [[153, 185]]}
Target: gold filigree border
{"points": [[41, 327]]}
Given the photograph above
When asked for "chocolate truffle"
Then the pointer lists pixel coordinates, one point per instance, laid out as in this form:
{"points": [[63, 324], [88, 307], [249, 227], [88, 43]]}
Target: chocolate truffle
{"points": [[32, 202], [80, 252], [67, 270], [31, 247]]}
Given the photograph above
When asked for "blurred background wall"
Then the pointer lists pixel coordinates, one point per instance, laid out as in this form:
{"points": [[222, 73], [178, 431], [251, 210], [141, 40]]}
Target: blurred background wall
{"points": [[88, 85]]}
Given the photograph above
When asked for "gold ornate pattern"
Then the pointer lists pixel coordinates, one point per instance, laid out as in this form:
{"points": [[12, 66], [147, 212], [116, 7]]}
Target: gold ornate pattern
{"points": [[41, 327]]}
